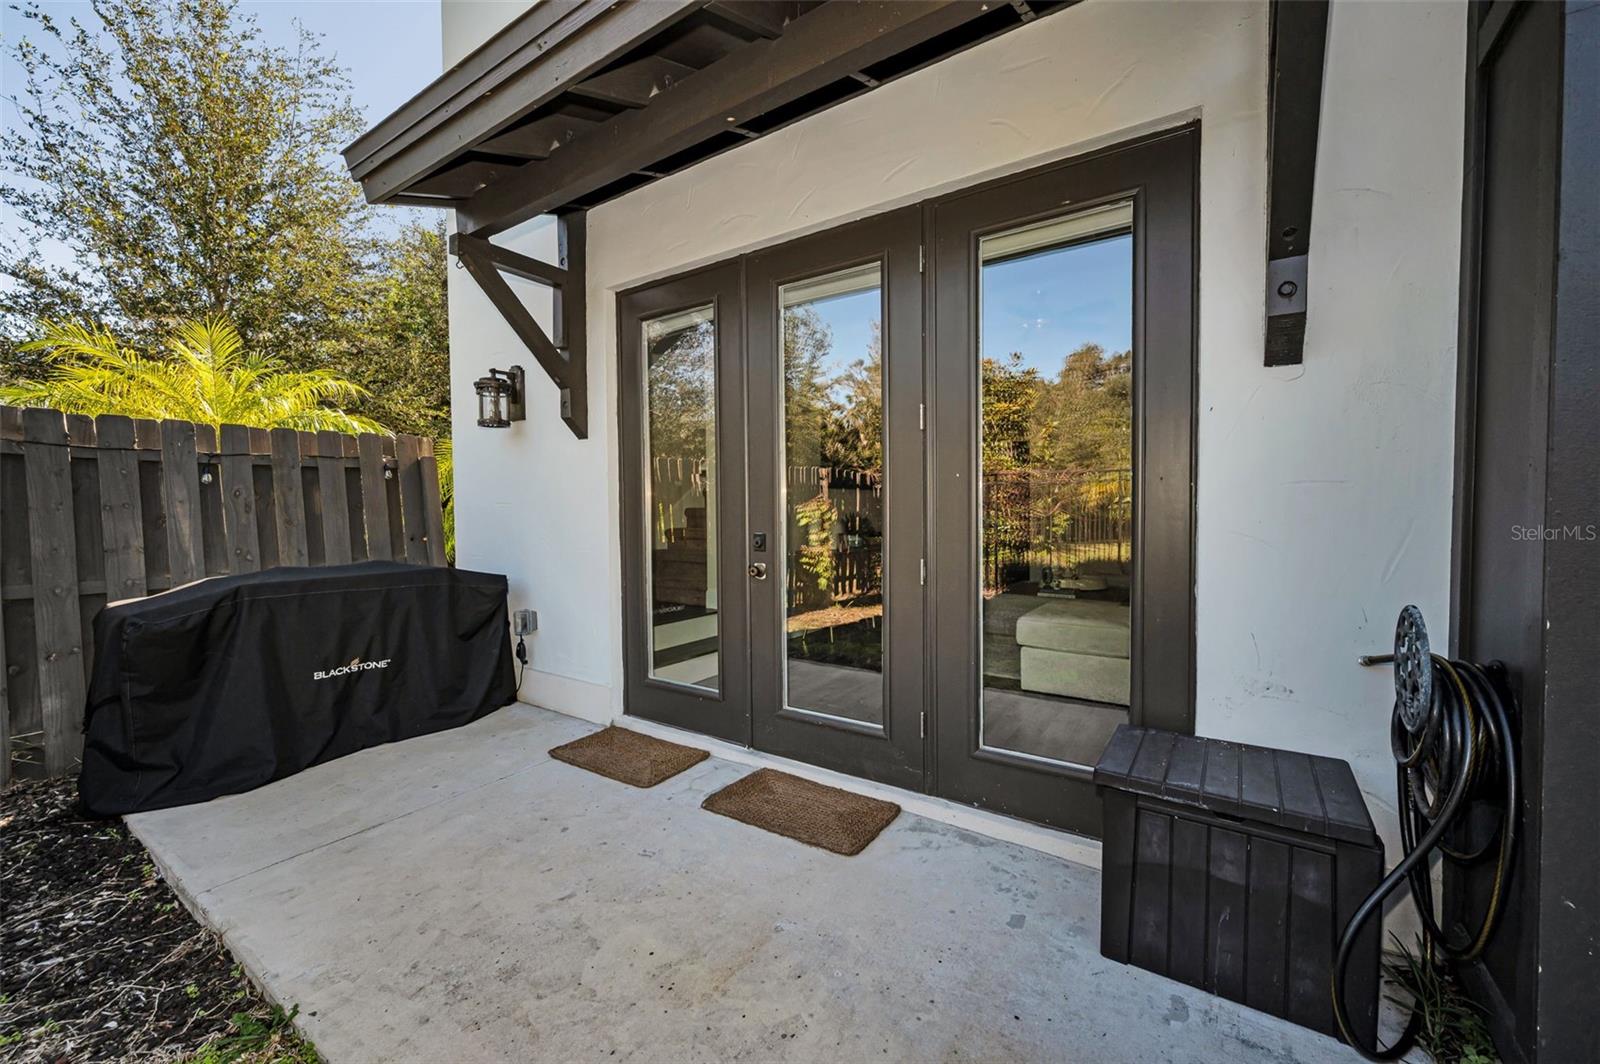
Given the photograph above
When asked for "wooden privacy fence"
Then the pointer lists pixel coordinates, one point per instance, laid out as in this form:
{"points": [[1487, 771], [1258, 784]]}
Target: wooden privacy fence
{"points": [[100, 509]]}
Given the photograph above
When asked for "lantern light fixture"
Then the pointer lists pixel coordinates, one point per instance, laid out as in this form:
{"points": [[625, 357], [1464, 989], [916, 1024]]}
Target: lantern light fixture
{"points": [[501, 397]]}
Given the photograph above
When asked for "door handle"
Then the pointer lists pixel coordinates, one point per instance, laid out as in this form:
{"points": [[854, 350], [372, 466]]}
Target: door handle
{"points": [[758, 570]]}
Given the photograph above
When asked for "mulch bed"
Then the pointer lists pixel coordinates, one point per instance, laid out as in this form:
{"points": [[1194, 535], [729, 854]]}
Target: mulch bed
{"points": [[99, 961]]}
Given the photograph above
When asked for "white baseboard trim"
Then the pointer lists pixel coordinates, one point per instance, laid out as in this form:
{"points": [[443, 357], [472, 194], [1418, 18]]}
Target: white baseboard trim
{"points": [[564, 694], [1078, 849]]}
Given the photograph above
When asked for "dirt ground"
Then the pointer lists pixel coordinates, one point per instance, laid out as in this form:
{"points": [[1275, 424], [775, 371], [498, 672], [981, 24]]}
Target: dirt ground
{"points": [[99, 961]]}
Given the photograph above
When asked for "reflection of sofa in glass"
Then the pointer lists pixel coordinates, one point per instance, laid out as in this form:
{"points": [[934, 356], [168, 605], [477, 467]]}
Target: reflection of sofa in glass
{"points": [[1077, 648]]}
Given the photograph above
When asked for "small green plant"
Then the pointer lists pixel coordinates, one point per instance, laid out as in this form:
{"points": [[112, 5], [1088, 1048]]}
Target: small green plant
{"points": [[1453, 1027], [260, 1038]]}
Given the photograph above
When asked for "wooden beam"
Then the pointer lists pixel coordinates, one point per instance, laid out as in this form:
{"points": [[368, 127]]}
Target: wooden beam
{"points": [[512, 262], [759, 18], [1294, 112], [831, 42], [564, 358], [556, 44], [634, 84]]}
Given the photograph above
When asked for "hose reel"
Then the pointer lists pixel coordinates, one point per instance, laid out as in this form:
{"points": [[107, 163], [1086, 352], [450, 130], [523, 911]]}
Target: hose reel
{"points": [[1450, 734]]}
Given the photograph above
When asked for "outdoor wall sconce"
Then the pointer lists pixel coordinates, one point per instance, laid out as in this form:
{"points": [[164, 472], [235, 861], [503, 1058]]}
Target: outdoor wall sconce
{"points": [[501, 398]]}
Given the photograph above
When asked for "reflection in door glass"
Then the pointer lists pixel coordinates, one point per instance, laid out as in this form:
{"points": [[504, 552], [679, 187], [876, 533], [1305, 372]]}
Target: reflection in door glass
{"points": [[833, 497], [1056, 546], [680, 440]]}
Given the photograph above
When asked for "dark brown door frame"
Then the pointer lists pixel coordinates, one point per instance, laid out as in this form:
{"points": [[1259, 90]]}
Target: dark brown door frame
{"points": [[892, 753], [1160, 175], [1528, 457], [725, 713]]}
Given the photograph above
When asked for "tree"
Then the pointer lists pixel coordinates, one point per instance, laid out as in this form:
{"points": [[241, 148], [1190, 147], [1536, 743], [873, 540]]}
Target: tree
{"points": [[204, 375], [182, 163], [402, 355]]}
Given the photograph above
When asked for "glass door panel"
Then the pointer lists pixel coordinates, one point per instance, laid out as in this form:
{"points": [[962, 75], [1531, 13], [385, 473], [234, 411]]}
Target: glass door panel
{"points": [[680, 436], [1056, 553], [833, 491]]}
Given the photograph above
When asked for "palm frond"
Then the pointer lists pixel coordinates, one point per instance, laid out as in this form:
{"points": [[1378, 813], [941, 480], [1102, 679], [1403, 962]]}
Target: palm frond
{"points": [[204, 373]]}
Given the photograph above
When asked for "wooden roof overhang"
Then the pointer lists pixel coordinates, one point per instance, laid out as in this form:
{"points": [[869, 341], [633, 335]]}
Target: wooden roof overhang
{"points": [[579, 101]]}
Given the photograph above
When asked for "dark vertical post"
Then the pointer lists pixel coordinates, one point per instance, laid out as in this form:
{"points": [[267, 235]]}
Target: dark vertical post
{"points": [[1294, 112], [571, 320], [374, 497], [180, 483], [335, 502], [408, 472], [432, 507], [289, 496], [121, 508], [239, 500], [57, 624]]}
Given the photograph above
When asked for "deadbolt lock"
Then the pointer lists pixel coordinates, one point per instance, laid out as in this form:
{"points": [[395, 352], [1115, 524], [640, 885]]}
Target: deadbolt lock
{"points": [[758, 570]]}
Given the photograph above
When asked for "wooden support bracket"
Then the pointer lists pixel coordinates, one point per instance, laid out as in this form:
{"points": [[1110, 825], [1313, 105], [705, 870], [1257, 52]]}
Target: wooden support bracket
{"points": [[563, 353], [1294, 107]]}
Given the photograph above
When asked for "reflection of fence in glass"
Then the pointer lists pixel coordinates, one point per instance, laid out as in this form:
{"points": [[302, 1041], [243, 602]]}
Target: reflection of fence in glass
{"points": [[834, 535], [835, 525], [677, 485], [1039, 518]]}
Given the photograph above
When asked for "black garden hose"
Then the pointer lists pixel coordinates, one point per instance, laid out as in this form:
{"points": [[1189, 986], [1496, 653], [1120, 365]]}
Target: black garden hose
{"points": [[1451, 737]]}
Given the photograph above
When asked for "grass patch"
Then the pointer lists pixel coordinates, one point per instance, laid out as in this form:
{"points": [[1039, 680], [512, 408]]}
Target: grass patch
{"points": [[1454, 1030], [263, 1036]]}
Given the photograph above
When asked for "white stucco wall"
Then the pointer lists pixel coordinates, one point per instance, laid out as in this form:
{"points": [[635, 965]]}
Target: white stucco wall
{"points": [[1324, 489], [468, 23]]}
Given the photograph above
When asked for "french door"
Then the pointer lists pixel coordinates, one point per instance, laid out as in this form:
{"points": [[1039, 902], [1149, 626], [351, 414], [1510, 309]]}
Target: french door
{"points": [[1061, 472], [681, 402], [774, 576], [913, 498], [836, 498]]}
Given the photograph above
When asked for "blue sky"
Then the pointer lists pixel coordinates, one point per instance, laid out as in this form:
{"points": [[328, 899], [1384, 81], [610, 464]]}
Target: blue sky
{"points": [[390, 48], [1044, 306]]}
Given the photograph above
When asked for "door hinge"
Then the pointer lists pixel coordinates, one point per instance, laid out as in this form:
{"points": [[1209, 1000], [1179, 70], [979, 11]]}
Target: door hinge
{"points": [[922, 258], [924, 734], [922, 417], [923, 571]]}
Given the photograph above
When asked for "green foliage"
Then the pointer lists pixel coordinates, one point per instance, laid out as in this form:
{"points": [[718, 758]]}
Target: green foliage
{"points": [[204, 374], [184, 164], [260, 1037], [1453, 1027], [402, 353], [814, 557], [444, 456]]}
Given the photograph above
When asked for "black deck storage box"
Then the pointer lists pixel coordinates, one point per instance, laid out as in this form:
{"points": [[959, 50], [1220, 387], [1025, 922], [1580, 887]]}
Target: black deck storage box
{"points": [[232, 682], [1235, 868]]}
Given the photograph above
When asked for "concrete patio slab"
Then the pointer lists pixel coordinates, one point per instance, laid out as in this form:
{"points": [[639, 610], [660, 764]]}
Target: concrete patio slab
{"points": [[551, 914], [246, 832]]}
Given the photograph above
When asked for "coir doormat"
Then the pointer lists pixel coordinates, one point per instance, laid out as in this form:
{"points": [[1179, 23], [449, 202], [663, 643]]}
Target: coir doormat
{"points": [[628, 756], [812, 813]]}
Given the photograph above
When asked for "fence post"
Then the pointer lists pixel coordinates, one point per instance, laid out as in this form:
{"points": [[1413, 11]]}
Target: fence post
{"points": [[58, 626], [432, 507], [408, 472], [180, 485], [374, 498], [239, 500], [121, 507], [289, 492], [335, 499]]}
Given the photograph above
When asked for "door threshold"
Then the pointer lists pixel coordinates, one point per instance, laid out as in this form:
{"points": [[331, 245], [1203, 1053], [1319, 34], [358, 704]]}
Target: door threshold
{"points": [[1079, 849]]}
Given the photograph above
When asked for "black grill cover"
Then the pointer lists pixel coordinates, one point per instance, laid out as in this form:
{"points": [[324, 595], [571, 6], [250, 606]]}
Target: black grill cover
{"points": [[223, 685]]}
